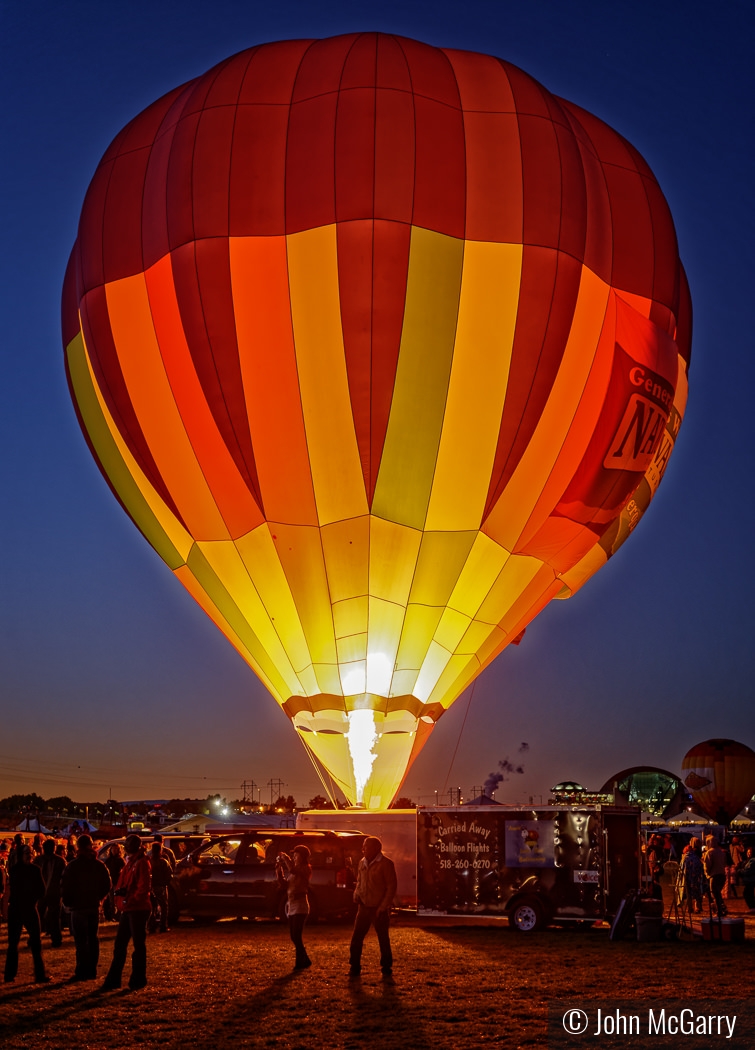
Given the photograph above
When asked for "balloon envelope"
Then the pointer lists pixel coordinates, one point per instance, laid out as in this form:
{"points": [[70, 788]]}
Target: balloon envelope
{"points": [[382, 346], [720, 776]]}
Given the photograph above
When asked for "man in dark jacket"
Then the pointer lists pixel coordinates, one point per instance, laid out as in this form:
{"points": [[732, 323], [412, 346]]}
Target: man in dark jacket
{"points": [[85, 883], [27, 888], [52, 868]]}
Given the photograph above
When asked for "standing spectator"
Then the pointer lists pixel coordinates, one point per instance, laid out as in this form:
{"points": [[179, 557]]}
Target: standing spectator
{"points": [[167, 852], [114, 863], [294, 873], [692, 874], [737, 856], [86, 882], [133, 898], [27, 888], [748, 880], [162, 875], [374, 893], [714, 862], [52, 868]]}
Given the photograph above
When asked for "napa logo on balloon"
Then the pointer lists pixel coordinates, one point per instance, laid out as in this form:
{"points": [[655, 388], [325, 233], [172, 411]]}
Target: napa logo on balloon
{"points": [[350, 327]]}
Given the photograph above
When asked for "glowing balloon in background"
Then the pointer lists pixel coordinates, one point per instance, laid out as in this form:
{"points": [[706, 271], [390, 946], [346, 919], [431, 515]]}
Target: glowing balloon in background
{"points": [[720, 776], [382, 346]]}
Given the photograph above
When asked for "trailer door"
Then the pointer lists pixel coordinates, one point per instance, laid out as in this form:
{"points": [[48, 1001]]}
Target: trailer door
{"points": [[622, 856]]}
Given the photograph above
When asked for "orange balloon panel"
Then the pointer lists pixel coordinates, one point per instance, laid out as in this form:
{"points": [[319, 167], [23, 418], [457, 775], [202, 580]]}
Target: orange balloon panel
{"points": [[720, 776], [382, 347]]}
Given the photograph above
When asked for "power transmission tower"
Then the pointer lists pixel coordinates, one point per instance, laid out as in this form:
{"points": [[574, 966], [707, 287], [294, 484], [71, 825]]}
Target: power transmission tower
{"points": [[249, 787], [276, 785]]}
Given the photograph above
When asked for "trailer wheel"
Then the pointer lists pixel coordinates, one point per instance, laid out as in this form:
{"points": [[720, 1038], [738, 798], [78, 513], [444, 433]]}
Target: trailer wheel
{"points": [[526, 916]]}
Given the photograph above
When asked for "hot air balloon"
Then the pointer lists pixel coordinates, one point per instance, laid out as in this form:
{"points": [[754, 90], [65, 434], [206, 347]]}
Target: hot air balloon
{"points": [[720, 776], [382, 346]]}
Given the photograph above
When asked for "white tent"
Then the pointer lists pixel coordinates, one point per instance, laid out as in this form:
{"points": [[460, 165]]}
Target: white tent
{"points": [[32, 824]]}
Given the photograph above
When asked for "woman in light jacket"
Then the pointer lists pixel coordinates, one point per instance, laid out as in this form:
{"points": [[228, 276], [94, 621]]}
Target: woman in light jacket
{"points": [[294, 873]]}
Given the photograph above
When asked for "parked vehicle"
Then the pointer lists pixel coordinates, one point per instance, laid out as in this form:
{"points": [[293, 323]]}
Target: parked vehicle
{"points": [[234, 875]]}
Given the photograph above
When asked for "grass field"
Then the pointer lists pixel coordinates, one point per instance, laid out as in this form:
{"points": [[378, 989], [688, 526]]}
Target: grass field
{"points": [[231, 985]]}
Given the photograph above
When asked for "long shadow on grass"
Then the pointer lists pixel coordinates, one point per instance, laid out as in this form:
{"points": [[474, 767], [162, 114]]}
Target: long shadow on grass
{"points": [[378, 1016]]}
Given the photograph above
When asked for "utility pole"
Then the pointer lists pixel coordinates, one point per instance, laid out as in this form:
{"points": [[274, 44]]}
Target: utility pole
{"points": [[276, 785]]}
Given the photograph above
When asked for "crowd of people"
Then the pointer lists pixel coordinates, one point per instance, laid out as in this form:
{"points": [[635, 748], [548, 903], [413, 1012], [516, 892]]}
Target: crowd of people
{"points": [[50, 886], [707, 872]]}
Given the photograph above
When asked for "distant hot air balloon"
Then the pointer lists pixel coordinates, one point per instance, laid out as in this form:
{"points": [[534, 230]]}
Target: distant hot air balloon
{"points": [[382, 346], [720, 776]]}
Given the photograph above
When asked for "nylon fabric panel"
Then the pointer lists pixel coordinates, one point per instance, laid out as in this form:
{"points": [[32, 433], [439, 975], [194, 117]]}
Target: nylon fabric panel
{"points": [[235, 502], [350, 616], [260, 558], [410, 451], [420, 625], [122, 218], [154, 213], [97, 333], [548, 293], [144, 505], [321, 66], [315, 308], [310, 164], [210, 174], [345, 546], [393, 556], [432, 667], [598, 249], [352, 648], [301, 557], [521, 582], [395, 151], [479, 374], [179, 203], [541, 181], [442, 557], [257, 172], [439, 203], [451, 629], [391, 243], [510, 514], [482, 568], [262, 311], [577, 440], [354, 175], [633, 255], [269, 77], [155, 406], [373, 259], [386, 621], [359, 65], [217, 358], [225, 86], [232, 578], [355, 283], [494, 205], [482, 82]]}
